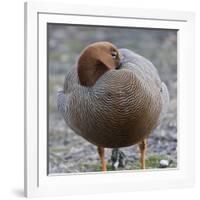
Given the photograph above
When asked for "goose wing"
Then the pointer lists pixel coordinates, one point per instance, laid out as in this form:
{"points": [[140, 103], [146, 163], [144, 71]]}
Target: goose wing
{"points": [[165, 100]]}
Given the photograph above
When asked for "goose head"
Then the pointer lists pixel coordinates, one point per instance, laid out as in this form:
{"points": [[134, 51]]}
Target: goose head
{"points": [[95, 60]]}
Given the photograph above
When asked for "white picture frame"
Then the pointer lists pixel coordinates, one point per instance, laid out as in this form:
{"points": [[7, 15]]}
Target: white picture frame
{"points": [[37, 180]]}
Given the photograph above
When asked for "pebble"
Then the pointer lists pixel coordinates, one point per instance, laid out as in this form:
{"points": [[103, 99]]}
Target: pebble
{"points": [[116, 164], [164, 163]]}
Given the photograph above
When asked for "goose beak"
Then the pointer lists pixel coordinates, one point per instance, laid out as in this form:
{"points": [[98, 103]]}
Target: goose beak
{"points": [[121, 61]]}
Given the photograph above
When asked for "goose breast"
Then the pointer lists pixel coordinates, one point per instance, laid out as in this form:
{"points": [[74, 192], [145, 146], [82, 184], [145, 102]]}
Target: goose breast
{"points": [[123, 106]]}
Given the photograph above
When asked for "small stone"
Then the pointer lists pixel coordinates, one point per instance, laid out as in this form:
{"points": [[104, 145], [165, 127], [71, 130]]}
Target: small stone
{"points": [[164, 163], [66, 142], [117, 158], [116, 164]]}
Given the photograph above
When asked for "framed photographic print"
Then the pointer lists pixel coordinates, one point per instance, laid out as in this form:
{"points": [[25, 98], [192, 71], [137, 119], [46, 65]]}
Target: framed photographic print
{"points": [[109, 99]]}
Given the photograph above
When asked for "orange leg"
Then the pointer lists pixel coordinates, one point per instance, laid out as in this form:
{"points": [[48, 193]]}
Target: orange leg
{"points": [[102, 157], [143, 148]]}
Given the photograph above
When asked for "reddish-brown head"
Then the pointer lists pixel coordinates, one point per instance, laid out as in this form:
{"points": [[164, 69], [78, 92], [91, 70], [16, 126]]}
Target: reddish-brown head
{"points": [[95, 60]]}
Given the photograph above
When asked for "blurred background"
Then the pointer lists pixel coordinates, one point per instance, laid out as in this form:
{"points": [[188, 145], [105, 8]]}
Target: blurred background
{"points": [[68, 152]]}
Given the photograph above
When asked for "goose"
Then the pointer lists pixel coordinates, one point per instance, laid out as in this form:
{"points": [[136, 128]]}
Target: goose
{"points": [[113, 98]]}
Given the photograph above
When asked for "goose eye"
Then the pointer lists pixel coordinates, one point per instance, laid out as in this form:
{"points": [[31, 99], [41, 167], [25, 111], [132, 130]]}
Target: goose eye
{"points": [[114, 54]]}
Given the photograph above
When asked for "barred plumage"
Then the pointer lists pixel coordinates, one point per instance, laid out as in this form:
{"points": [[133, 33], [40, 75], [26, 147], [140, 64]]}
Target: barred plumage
{"points": [[121, 108]]}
